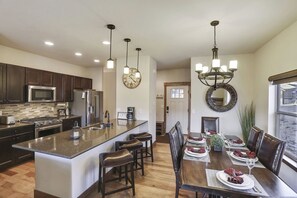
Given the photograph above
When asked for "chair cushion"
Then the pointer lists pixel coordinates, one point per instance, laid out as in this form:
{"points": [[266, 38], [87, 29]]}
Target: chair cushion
{"points": [[141, 136], [130, 145], [116, 158]]}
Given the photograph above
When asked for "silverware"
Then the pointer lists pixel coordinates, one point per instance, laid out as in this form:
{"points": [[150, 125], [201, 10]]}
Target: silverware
{"points": [[257, 189], [254, 188]]}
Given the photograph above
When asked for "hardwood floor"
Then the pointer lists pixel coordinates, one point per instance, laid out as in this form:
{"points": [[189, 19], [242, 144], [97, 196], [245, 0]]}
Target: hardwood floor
{"points": [[159, 179]]}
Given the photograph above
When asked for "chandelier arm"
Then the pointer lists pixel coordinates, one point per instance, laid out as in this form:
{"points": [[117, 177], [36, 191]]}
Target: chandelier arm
{"points": [[203, 82], [228, 80]]}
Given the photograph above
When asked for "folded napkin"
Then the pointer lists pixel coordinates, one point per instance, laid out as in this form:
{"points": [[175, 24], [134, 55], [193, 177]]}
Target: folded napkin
{"points": [[233, 172], [196, 150], [235, 180], [237, 141], [247, 154], [195, 138], [212, 132]]}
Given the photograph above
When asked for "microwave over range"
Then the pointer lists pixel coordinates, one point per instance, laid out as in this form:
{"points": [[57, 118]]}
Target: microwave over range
{"points": [[41, 94]]}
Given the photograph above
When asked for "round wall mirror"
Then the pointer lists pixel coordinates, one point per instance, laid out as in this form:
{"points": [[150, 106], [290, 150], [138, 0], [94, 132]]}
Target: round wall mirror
{"points": [[222, 99]]}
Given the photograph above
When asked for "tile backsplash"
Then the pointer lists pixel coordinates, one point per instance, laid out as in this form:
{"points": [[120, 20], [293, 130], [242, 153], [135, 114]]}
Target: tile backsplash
{"points": [[29, 110]]}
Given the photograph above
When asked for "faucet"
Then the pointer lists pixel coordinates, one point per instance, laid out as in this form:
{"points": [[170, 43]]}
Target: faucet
{"points": [[107, 116]]}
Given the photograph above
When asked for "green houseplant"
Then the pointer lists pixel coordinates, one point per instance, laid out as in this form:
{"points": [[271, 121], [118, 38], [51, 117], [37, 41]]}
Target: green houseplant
{"points": [[247, 120], [217, 142]]}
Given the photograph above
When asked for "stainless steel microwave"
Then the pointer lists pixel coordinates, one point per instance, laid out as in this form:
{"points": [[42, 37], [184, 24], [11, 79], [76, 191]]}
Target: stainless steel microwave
{"points": [[41, 94]]}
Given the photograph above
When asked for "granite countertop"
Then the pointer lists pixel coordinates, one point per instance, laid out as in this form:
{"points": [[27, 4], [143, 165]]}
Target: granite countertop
{"points": [[17, 124], [62, 145]]}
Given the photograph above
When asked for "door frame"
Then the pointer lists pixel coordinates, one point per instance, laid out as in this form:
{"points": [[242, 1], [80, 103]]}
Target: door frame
{"points": [[173, 84]]}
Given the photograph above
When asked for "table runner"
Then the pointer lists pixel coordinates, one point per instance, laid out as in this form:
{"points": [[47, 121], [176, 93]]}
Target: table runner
{"points": [[258, 164], [212, 181]]}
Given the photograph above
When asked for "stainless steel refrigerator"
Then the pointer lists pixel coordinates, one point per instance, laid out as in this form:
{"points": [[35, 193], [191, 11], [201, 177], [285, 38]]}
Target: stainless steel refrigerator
{"points": [[89, 105]]}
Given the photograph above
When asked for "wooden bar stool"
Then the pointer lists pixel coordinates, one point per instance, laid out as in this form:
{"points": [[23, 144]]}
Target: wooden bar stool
{"points": [[113, 160], [133, 146], [145, 137]]}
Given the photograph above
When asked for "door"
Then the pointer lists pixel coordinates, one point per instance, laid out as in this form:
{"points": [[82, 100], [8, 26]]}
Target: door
{"points": [[15, 84], [177, 104]]}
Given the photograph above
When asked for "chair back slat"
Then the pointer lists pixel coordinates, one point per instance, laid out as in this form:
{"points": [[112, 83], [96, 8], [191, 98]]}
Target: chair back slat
{"points": [[255, 139], [179, 130], [176, 150]]}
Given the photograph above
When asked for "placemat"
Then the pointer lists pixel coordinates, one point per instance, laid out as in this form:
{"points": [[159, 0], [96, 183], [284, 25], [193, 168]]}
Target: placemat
{"points": [[258, 164], [214, 182], [235, 147], [199, 159]]}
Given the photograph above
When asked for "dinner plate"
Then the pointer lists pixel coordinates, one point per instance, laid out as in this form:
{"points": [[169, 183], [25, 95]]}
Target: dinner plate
{"points": [[243, 159], [192, 154], [248, 183], [236, 145], [196, 141]]}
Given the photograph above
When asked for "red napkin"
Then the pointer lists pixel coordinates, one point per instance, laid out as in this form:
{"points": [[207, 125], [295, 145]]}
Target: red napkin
{"points": [[212, 132], [250, 154], [238, 141], [196, 150], [235, 180], [195, 138], [238, 153], [232, 172]]}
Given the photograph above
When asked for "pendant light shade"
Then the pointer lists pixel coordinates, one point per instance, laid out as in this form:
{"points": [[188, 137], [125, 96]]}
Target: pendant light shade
{"points": [[126, 68], [110, 61], [137, 74]]}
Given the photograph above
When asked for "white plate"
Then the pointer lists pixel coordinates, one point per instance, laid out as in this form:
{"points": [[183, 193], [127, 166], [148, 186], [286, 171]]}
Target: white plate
{"points": [[236, 145], [187, 152], [196, 141], [243, 159], [248, 183]]}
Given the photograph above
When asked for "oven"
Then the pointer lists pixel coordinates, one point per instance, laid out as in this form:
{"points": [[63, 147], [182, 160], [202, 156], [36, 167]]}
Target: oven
{"points": [[47, 130]]}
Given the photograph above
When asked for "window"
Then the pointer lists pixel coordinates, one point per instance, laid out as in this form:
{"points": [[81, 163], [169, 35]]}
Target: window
{"points": [[177, 93], [286, 118]]}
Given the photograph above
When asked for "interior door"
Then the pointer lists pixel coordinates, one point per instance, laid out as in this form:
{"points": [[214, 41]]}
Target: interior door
{"points": [[177, 104]]}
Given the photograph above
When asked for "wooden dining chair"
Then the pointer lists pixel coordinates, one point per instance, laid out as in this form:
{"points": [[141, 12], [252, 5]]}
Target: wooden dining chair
{"points": [[271, 152], [179, 130], [176, 155], [210, 123], [255, 138]]}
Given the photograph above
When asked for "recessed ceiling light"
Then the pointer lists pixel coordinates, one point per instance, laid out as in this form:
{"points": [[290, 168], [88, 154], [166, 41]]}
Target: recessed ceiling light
{"points": [[105, 42], [78, 54], [96, 60], [49, 43]]}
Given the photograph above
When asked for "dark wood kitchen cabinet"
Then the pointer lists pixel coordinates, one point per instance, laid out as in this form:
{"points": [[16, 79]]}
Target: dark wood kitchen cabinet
{"points": [[2, 82], [15, 84], [82, 83], [68, 123], [67, 82], [10, 156], [39, 77], [58, 83]]}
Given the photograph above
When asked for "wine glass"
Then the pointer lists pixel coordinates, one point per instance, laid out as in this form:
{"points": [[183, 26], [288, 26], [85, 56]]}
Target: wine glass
{"points": [[250, 162], [208, 148]]}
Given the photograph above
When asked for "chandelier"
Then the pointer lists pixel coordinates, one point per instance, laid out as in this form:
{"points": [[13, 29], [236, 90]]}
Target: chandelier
{"points": [[218, 73]]}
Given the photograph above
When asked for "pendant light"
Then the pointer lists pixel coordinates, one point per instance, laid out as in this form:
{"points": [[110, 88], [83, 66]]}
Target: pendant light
{"points": [[110, 61], [137, 74], [126, 68]]}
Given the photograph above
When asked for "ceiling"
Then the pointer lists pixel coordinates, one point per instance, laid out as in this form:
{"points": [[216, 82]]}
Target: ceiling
{"points": [[170, 31]]}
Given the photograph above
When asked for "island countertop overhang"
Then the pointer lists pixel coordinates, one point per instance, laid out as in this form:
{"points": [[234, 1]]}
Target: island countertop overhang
{"points": [[62, 145]]}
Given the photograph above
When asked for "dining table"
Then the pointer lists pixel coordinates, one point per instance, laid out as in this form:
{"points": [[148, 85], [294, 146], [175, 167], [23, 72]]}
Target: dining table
{"points": [[202, 175]]}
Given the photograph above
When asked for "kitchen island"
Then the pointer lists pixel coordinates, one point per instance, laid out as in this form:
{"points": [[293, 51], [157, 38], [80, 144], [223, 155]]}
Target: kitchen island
{"points": [[67, 167]]}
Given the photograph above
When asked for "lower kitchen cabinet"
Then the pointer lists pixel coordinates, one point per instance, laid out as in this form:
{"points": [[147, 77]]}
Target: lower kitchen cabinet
{"points": [[68, 123], [11, 156]]}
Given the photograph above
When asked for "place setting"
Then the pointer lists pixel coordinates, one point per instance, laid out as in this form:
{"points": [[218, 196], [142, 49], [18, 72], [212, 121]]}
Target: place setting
{"points": [[235, 180], [197, 153], [191, 140], [239, 157], [234, 144]]}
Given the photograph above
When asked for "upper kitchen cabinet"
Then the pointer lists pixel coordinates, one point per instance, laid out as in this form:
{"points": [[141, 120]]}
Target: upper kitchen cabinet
{"points": [[15, 84], [82, 83], [58, 83], [2, 82], [39, 77], [67, 84]]}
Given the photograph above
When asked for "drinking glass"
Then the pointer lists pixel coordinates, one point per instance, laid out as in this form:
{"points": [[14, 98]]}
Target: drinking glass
{"points": [[250, 162], [208, 148]]}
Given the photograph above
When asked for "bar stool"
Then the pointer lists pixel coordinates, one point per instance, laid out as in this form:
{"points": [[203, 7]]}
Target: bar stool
{"points": [[145, 137], [113, 160], [133, 146]]}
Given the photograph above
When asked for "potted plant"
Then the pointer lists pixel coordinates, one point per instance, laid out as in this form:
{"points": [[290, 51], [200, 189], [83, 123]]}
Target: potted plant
{"points": [[217, 142], [247, 120]]}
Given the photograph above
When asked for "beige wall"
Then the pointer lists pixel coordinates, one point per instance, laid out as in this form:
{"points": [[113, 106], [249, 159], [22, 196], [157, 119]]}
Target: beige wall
{"points": [[169, 75], [109, 91], [243, 84], [26, 59]]}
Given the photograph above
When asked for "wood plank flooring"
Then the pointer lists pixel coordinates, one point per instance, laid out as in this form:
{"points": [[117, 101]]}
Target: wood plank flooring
{"points": [[159, 179]]}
